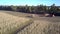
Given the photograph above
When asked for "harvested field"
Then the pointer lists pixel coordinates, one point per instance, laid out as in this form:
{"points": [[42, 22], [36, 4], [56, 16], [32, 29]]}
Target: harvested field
{"points": [[10, 24], [38, 25]]}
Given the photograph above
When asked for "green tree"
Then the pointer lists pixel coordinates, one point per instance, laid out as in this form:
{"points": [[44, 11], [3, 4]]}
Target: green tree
{"points": [[53, 9], [14, 8]]}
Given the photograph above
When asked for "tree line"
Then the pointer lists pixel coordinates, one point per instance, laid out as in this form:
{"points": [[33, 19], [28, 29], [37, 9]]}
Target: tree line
{"points": [[39, 9]]}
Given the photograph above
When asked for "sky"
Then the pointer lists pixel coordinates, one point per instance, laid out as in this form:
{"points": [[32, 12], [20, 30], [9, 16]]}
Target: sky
{"points": [[30, 2]]}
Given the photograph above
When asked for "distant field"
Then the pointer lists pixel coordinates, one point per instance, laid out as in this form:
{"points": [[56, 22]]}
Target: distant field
{"points": [[20, 14], [14, 21]]}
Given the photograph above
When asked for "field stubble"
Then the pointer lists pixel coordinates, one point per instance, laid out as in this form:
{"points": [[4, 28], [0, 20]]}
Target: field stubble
{"points": [[41, 25], [9, 24]]}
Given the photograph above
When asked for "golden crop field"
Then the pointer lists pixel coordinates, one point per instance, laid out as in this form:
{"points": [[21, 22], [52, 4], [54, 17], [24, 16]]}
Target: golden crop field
{"points": [[10, 24], [18, 23], [46, 26]]}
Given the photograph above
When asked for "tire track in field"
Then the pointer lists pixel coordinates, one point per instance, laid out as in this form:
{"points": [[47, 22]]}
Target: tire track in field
{"points": [[34, 28]]}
